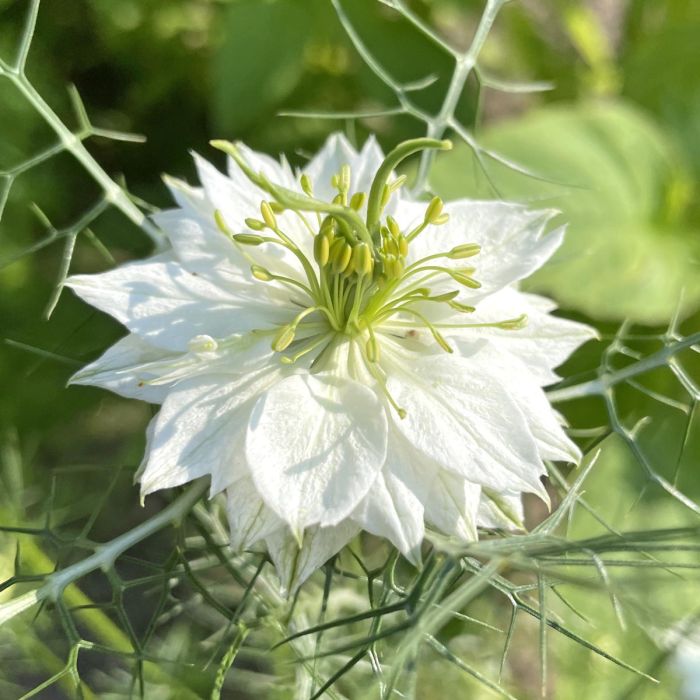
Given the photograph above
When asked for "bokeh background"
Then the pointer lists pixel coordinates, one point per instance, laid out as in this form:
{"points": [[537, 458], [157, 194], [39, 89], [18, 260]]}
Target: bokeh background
{"points": [[615, 139]]}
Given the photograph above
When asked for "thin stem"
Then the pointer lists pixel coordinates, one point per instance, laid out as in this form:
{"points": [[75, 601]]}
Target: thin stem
{"points": [[464, 66], [72, 143]]}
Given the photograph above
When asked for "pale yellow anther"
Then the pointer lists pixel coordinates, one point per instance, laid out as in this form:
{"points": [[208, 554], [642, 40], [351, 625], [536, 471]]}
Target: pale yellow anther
{"points": [[393, 226], [514, 324], [344, 178], [260, 273], [397, 184], [284, 338], [341, 255], [321, 249], [372, 349], [307, 186], [434, 210], [463, 308], [403, 246], [464, 279], [255, 224], [221, 222], [248, 238], [362, 261], [357, 200], [268, 215], [467, 250]]}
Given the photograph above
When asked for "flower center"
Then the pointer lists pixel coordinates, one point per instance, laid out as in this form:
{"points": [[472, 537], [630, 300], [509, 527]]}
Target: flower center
{"points": [[358, 278]]}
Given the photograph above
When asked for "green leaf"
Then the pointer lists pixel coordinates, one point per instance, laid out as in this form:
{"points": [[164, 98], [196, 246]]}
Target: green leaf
{"points": [[623, 192], [261, 58]]}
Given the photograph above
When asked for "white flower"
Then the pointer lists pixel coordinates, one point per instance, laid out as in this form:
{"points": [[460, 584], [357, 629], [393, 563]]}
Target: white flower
{"points": [[321, 348]]}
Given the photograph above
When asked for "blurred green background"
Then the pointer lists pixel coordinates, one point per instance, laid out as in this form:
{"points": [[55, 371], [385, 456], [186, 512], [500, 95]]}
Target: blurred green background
{"points": [[616, 141]]}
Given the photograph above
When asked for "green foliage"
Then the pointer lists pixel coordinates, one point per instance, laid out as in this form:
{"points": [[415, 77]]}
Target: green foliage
{"points": [[630, 250]]}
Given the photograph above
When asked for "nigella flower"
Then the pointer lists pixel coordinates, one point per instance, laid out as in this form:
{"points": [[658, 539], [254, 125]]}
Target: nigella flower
{"points": [[337, 356]]}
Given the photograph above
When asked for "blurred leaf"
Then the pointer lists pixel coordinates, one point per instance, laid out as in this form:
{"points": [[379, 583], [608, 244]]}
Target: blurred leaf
{"points": [[261, 59], [622, 190], [663, 74]]}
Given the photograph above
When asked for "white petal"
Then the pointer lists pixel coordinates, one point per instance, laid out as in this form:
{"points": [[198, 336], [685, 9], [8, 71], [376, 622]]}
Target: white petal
{"points": [[512, 239], [238, 199], [544, 422], [167, 306], [314, 446], [125, 369], [501, 511], [276, 171], [390, 509], [336, 152], [250, 520], [295, 564], [451, 505], [466, 422], [202, 248], [201, 430], [543, 344]]}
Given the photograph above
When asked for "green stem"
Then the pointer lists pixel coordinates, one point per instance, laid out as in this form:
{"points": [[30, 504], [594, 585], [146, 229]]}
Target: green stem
{"points": [[400, 153], [73, 144]]}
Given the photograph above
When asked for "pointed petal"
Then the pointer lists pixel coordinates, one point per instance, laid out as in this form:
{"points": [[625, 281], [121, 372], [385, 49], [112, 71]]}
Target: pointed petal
{"points": [[466, 422], [451, 505], [502, 511], [512, 239], [315, 446], [124, 369], [390, 509], [543, 344], [200, 430], [250, 520], [295, 564], [544, 422], [336, 152], [167, 306]]}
